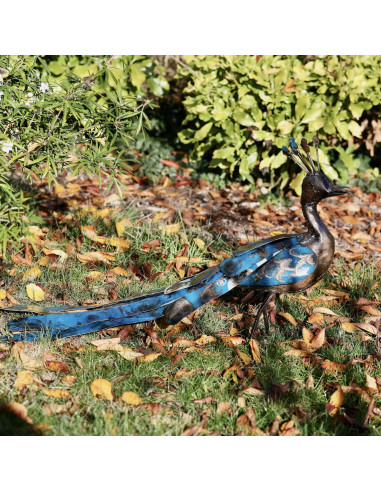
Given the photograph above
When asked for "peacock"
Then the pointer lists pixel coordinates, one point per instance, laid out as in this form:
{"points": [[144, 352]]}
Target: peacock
{"points": [[284, 263]]}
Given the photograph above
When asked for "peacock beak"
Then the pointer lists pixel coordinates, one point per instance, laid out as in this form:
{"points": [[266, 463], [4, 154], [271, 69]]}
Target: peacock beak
{"points": [[339, 190]]}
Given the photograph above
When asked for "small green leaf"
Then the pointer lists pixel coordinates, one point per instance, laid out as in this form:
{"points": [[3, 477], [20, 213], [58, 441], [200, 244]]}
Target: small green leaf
{"points": [[137, 76], [203, 131], [242, 118]]}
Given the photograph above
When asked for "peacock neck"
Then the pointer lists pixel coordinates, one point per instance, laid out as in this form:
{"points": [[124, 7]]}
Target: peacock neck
{"points": [[315, 225]]}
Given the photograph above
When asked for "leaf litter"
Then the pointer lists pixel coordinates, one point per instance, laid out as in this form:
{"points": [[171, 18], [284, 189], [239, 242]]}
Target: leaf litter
{"points": [[324, 323]]}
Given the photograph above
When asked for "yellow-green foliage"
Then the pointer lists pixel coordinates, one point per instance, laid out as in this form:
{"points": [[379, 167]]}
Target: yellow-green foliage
{"points": [[242, 109]]}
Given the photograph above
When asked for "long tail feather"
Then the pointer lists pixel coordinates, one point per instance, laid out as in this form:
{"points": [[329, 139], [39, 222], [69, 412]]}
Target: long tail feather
{"points": [[173, 303]]}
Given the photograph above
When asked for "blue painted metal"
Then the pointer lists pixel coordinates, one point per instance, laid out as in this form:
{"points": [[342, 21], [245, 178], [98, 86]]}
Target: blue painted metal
{"points": [[246, 267]]}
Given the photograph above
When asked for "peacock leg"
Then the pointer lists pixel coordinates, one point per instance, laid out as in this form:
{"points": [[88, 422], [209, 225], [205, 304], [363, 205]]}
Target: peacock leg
{"points": [[261, 312], [266, 320]]}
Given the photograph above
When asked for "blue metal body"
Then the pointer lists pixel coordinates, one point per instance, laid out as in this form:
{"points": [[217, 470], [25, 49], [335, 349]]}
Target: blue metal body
{"points": [[281, 260]]}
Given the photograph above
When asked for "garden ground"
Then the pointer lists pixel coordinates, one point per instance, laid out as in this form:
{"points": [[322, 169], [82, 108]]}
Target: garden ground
{"points": [[316, 372]]}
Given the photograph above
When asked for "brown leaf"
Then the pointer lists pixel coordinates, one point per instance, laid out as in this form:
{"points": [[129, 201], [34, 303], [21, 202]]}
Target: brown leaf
{"points": [[68, 380], [318, 340], [223, 407], [316, 318], [57, 366], [297, 353], [150, 357], [202, 401], [32, 274], [108, 344], [348, 327], [57, 393], [310, 382], [102, 389], [333, 367], [232, 341], [204, 340], [246, 359], [249, 390], [323, 310], [28, 362], [289, 317], [185, 374], [255, 350], [24, 379], [366, 327], [371, 310], [131, 398], [121, 225], [371, 384], [153, 244], [35, 292], [95, 257], [335, 402], [307, 335]]}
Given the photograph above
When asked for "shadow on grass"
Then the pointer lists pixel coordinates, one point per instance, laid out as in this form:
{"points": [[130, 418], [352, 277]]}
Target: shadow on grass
{"points": [[13, 425]]}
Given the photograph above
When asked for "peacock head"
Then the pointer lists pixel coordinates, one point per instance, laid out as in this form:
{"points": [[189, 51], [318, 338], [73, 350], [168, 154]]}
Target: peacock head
{"points": [[316, 185]]}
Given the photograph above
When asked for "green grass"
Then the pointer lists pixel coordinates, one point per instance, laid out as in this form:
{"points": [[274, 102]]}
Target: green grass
{"points": [[156, 382]]}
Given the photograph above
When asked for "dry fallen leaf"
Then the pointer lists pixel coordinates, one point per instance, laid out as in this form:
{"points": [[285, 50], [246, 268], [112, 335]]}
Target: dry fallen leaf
{"points": [[94, 275], [150, 357], [246, 359], [371, 384], [200, 243], [335, 402], [32, 274], [348, 327], [95, 257], [56, 366], [108, 344], [255, 350], [185, 374], [121, 225], [170, 229], [223, 407], [204, 340], [102, 389], [68, 380], [323, 310], [35, 292], [129, 354], [253, 391], [318, 340], [371, 310], [232, 341], [289, 317], [28, 362], [57, 393], [24, 379], [120, 271], [131, 398]]}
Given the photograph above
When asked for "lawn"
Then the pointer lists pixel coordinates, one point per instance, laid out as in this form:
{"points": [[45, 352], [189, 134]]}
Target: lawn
{"points": [[316, 372]]}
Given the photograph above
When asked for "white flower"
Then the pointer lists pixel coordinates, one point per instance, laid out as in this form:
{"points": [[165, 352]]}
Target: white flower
{"points": [[30, 99], [7, 147], [264, 190], [1, 94], [44, 87]]}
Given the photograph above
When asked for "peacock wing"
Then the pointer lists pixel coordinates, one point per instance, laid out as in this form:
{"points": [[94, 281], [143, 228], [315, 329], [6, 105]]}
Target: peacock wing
{"points": [[291, 265]]}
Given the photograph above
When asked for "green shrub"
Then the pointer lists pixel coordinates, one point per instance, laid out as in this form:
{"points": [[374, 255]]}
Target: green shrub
{"points": [[242, 109], [61, 113]]}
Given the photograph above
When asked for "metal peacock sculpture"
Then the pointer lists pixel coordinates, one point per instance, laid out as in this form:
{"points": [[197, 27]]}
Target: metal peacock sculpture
{"points": [[279, 264]]}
